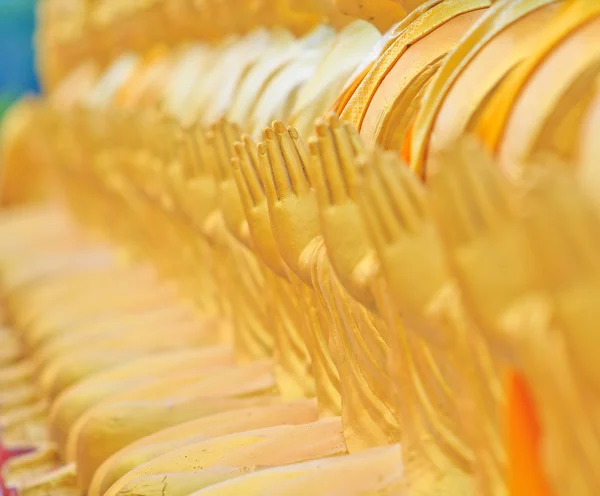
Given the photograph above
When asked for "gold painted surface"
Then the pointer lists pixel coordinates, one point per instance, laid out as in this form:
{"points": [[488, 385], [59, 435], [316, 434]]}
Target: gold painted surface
{"points": [[329, 270], [483, 58], [417, 25], [367, 418], [573, 15]]}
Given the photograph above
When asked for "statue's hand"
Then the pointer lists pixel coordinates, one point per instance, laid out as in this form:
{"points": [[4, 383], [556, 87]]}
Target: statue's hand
{"points": [[180, 169], [486, 241], [291, 198], [199, 198], [254, 200], [564, 230], [161, 137], [397, 214], [225, 135], [334, 154]]}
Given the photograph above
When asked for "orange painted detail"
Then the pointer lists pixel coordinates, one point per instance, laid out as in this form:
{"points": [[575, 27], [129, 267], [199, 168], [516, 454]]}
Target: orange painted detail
{"points": [[495, 117], [525, 474], [406, 146]]}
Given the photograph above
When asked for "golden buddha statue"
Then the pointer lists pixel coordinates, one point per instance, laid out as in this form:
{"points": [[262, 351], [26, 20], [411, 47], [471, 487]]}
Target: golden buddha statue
{"points": [[58, 322], [160, 203], [424, 292], [420, 475], [326, 436], [71, 410], [468, 76], [280, 94], [422, 366], [292, 367], [562, 318], [248, 165], [384, 104], [352, 45], [36, 336], [327, 298], [525, 322], [293, 275], [255, 339], [361, 333], [232, 216], [251, 333], [298, 76], [82, 305], [554, 51], [147, 474]]}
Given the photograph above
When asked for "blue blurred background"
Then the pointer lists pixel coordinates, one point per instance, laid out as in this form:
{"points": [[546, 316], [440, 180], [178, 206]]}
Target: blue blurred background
{"points": [[17, 74]]}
